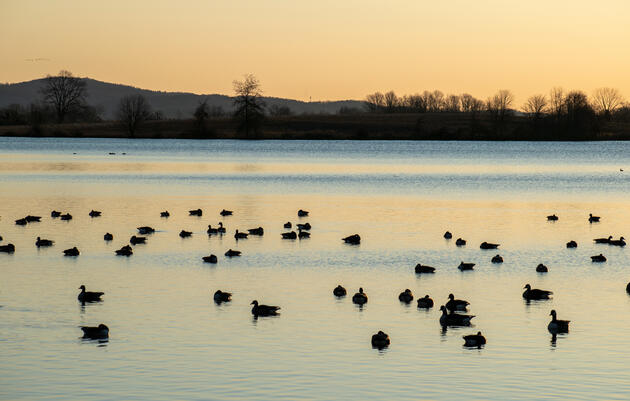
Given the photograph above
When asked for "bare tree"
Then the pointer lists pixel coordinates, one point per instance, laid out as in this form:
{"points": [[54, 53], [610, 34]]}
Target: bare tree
{"points": [[535, 106], [133, 110], [201, 115], [64, 93], [391, 101], [451, 104], [375, 102], [606, 101], [556, 101], [500, 103], [249, 108]]}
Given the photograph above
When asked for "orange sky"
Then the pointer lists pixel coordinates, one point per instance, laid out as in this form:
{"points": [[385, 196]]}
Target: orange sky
{"points": [[326, 49]]}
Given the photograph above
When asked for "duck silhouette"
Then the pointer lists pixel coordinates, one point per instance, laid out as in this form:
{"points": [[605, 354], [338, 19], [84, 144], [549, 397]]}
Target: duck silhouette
{"points": [[43, 242], [380, 340], [420, 269], [95, 333], [210, 259], [360, 298], [474, 340], [89, 296], [221, 296], [557, 326], [339, 291], [535, 293], [426, 302], [264, 310]]}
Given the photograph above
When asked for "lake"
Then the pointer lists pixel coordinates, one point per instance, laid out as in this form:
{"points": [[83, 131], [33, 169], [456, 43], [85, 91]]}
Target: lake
{"points": [[169, 340]]}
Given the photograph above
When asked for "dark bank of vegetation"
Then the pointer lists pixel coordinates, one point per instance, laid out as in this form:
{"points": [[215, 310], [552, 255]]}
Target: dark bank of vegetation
{"points": [[61, 111]]}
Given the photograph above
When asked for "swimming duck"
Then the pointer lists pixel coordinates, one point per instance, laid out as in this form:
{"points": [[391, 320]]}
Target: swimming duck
{"points": [[460, 242], [210, 259], [380, 340], [487, 245], [196, 212], [21, 222], [256, 231], [185, 234], [541, 268], [593, 219], [146, 230], [360, 297], [406, 296], [598, 258], [303, 234], [66, 217], [454, 319], [288, 224], [535, 294], [221, 228], [291, 235], [571, 244], [32, 219], [137, 240], [305, 226], [8, 248], [302, 213], [425, 302], [55, 214], [211, 230], [456, 304], [220, 296], [230, 253], [497, 259], [71, 252], [43, 242], [557, 326], [95, 333], [225, 212], [339, 291], [95, 213], [603, 240], [465, 266], [553, 217], [108, 237], [448, 235], [618, 242], [165, 214], [474, 340], [238, 235], [264, 310], [354, 239], [89, 296], [124, 251], [424, 269]]}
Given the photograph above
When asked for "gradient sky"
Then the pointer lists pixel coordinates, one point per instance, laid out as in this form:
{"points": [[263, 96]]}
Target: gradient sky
{"points": [[326, 49]]}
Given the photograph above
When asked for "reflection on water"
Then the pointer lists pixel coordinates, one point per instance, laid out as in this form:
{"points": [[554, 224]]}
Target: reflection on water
{"points": [[169, 340]]}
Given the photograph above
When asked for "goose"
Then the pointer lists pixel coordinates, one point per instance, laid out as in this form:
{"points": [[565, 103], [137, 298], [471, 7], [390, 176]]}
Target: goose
{"points": [[465, 266], [380, 340], [21, 222], [238, 235], [557, 326], [628, 288], [305, 226], [288, 224], [456, 304], [165, 214], [221, 228], [571, 244], [33, 219], [424, 269], [264, 310], [146, 230], [230, 253], [460, 242], [66, 217], [303, 234], [598, 258], [454, 319], [360, 297], [185, 234], [535, 294], [339, 291], [593, 219], [95, 213], [603, 240], [497, 259], [553, 217], [43, 242], [8, 248], [55, 214], [425, 302], [541, 268], [71, 252], [474, 340], [302, 213], [211, 230], [124, 251], [448, 235], [406, 296], [256, 231], [618, 242], [210, 259], [95, 333], [196, 212], [354, 239], [488, 245], [221, 296], [0, 237], [108, 237], [137, 240], [89, 296], [225, 212], [291, 235]]}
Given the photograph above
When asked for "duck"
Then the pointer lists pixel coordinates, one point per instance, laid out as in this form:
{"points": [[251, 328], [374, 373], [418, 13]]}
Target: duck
{"points": [[571, 244], [420, 269], [454, 319], [264, 310], [593, 219], [71, 252], [125, 251], [185, 234], [339, 291], [380, 340], [541, 268], [95, 333], [553, 217], [165, 214], [406, 296], [66, 216], [474, 340], [426, 302], [456, 304], [238, 235], [302, 213], [210, 259], [466, 266], [354, 239], [196, 212], [221, 228], [8, 248], [230, 253], [598, 258], [32, 219], [603, 240], [448, 235], [108, 237], [557, 326], [488, 245], [54, 214], [305, 226], [256, 231], [225, 212], [145, 230], [535, 294], [21, 222], [288, 224], [137, 240], [460, 242], [303, 234], [618, 242], [628, 288], [221, 296], [360, 297], [291, 235], [43, 242], [497, 259], [211, 230], [89, 296], [94, 213]]}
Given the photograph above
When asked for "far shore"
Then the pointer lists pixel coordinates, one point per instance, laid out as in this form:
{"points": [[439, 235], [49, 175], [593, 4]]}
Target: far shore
{"points": [[428, 126]]}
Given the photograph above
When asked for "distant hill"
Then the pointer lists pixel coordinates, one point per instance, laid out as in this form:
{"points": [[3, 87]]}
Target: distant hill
{"points": [[106, 96]]}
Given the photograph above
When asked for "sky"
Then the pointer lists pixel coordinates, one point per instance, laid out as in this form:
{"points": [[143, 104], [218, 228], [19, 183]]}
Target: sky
{"points": [[325, 49]]}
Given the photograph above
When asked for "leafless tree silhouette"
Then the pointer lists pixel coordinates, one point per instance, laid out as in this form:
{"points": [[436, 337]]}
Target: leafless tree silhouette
{"points": [[606, 101], [133, 110], [535, 106], [249, 108], [64, 92]]}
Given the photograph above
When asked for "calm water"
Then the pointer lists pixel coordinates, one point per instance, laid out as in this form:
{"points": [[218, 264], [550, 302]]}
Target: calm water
{"points": [[169, 340]]}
